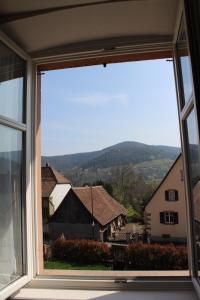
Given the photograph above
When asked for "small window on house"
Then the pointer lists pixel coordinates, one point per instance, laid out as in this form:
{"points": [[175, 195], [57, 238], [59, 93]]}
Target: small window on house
{"points": [[166, 236], [171, 195], [168, 217]]}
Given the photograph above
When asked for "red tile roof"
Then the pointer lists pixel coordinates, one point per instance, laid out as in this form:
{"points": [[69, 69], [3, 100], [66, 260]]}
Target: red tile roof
{"points": [[51, 177], [99, 203]]}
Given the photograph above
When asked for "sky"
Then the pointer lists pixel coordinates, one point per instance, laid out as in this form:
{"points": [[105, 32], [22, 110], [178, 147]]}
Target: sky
{"points": [[90, 108]]}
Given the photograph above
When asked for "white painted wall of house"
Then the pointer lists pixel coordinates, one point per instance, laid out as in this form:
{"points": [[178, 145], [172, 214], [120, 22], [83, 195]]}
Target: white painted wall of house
{"points": [[58, 194]]}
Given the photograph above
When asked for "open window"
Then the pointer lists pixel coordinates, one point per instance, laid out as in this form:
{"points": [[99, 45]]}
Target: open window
{"points": [[43, 32], [103, 169]]}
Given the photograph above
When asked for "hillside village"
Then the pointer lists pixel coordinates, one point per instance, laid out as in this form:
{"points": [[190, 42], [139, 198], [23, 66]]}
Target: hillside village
{"points": [[91, 212]]}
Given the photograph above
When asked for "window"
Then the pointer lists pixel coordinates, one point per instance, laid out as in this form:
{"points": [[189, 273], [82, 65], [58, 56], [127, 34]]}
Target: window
{"points": [[12, 137], [184, 62], [171, 195], [93, 161], [17, 143], [168, 217]]}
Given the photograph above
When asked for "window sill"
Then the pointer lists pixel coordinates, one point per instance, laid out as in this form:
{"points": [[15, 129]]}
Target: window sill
{"points": [[112, 284], [114, 274], [48, 294]]}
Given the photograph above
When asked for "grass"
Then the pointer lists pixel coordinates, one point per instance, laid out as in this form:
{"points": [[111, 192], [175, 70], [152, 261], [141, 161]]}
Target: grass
{"points": [[59, 265]]}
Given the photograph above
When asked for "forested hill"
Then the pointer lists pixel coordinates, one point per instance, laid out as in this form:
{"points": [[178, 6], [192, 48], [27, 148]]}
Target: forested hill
{"points": [[144, 157]]}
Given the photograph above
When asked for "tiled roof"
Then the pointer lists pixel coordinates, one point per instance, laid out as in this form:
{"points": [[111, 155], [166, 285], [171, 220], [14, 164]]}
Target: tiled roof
{"points": [[47, 188], [59, 177], [51, 177], [99, 203]]}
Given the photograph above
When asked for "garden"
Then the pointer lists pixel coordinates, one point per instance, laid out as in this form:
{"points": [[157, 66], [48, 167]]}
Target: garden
{"points": [[94, 255]]}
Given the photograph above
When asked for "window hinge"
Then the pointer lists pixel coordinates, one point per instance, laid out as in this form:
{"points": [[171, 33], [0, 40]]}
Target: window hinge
{"points": [[121, 280]]}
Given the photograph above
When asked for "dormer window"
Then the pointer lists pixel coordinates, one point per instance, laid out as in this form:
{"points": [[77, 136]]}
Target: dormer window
{"points": [[171, 195]]}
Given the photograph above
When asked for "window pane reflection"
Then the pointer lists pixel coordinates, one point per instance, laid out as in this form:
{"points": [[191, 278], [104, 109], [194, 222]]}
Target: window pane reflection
{"points": [[194, 168], [10, 205], [184, 65], [12, 70]]}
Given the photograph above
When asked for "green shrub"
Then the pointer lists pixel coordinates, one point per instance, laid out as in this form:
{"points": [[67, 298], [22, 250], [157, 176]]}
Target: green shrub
{"points": [[141, 256], [80, 251]]}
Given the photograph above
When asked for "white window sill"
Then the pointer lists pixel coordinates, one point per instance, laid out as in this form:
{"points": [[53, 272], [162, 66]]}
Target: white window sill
{"points": [[49, 294]]}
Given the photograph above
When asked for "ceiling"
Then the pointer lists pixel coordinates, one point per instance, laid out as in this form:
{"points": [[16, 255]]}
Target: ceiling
{"points": [[44, 26]]}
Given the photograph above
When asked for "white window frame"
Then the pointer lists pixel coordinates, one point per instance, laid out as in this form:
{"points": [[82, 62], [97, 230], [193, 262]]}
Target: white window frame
{"points": [[169, 217], [12, 287], [80, 279], [92, 279]]}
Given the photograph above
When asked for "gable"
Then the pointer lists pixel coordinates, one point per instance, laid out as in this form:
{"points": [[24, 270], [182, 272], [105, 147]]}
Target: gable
{"points": [[172, 181], [71, 210]]}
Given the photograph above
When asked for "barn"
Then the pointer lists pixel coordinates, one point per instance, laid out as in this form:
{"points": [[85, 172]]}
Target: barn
{"points": [[89, 213]]}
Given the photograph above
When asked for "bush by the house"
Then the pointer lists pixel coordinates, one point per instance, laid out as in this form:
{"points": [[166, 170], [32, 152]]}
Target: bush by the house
{"points": [[80, 251], [141, 256]]}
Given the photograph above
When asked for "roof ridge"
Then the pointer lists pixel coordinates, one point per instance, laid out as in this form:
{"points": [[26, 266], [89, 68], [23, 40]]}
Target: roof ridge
{"points": [[103, 211], [86, 187], [56, 174]]}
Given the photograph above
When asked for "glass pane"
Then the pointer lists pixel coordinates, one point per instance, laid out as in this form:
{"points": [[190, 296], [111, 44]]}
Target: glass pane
{"points": [[10, 205], [12, 71], [184, 60], [194, 169]]}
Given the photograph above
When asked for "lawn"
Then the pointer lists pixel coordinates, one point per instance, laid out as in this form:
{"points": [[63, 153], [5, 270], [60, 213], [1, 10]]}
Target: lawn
{"points": [[59, 265]]}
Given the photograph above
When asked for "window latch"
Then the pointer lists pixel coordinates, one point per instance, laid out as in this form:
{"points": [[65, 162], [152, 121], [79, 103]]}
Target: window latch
{"points": [[120, 280]]}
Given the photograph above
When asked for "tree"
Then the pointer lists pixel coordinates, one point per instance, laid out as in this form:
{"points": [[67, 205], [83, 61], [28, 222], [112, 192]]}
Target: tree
{"points": [[129, 188]]}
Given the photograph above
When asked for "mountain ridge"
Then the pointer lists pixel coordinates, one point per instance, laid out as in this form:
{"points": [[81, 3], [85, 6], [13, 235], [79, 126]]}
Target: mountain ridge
{"points": [[123, 153]]}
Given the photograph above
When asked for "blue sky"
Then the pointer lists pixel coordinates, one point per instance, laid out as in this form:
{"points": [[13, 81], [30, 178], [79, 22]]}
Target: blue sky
{"points": [[90, 108]]}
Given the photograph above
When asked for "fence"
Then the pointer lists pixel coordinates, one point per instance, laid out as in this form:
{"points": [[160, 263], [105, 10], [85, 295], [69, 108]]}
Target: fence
{"points": [[127, 237]]}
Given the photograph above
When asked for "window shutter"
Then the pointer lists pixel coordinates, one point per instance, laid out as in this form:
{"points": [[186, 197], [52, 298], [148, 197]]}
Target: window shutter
{"points": [[166, 196], [162, 218], [176, 195], [175, 218]]}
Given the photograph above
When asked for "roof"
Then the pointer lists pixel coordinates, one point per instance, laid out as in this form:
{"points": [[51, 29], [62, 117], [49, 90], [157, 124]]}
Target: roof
{"points": [[165, 177], [99, 203], [51, 177], [46, 27]]}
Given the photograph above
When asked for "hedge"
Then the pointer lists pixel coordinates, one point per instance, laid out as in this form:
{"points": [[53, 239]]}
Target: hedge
{"points": [[80, 251], [141, 256], [138, 256]]}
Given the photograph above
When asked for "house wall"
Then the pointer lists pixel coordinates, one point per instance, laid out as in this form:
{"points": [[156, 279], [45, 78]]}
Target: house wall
{"points": [[58, 194], [159, 204], [72, 219], [74, 231], [71, 211]]}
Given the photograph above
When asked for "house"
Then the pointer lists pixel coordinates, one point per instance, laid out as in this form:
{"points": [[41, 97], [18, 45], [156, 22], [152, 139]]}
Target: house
{"points": [[54, 188], [165, 212], [87, 212]]}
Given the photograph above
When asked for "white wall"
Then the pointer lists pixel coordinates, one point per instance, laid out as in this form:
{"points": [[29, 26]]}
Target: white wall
{"points": [[58, 194]]}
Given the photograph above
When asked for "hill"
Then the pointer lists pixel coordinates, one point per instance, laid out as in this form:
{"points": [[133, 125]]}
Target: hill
{"points": [[152, 162]]}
